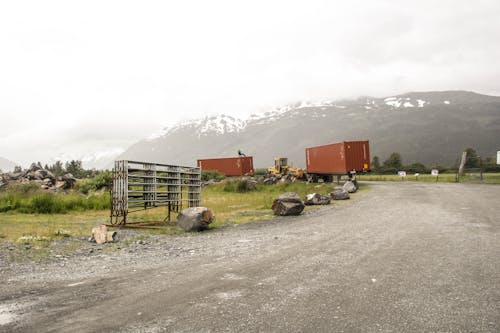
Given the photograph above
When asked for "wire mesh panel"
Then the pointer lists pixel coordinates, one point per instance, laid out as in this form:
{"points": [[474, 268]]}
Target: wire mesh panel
{"points": [[138, 186]]}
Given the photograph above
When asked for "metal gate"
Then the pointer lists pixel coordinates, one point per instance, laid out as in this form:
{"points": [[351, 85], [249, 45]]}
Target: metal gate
{"points": [[138, 186]]}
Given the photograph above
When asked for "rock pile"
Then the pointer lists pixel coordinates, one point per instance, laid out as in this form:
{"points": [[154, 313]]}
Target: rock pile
{"points": [[40, 176], [273, 179]]}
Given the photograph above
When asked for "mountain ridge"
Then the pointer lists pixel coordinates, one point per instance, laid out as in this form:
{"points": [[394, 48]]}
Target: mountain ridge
{"points": [[428, 127]]}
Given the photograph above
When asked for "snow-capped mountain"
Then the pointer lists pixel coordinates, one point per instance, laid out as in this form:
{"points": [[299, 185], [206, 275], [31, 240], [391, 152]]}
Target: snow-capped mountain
{"points": [[219, 124], [428, 127]]}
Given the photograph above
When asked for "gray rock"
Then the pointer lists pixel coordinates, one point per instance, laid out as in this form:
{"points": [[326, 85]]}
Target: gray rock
{"points": [[42, 174], [288, 204], [339, 194], [270, 180], [195, 218], [250, 184], [350, 187], [65, 182], [317, 199], [34, 167]]}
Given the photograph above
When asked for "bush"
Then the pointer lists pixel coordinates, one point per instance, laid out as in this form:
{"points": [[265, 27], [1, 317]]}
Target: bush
{"points": [[207, 175], [24, 198], [239, 185], [45, 203], [260, 172], [101, 181]]}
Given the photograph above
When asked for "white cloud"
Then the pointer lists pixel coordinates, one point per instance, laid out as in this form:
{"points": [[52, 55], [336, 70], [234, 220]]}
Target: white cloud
{"points": [[77, 77]]}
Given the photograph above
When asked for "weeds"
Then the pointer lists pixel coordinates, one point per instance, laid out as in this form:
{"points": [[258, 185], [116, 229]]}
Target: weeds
{"points": [[33, 200]]}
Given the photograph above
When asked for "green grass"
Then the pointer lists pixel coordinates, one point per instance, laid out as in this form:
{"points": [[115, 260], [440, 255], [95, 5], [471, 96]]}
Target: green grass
{"points": [[74, 219], [29, 199], [488, 178], [40, 228], [241, 207]]}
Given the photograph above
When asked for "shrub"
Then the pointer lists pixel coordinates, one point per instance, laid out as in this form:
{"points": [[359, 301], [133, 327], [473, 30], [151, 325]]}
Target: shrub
{"points": [[207, 175], [260, 172], [237, 185], [45, 203], [101, 181], [42, 202]]}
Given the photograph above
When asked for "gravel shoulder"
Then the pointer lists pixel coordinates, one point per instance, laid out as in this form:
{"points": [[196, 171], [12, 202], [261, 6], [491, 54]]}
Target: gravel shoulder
{"points": [[404, 257]]}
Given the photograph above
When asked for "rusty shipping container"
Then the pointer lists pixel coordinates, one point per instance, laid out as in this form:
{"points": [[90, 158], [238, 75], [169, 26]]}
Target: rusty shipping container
{"points": [[338, 158], [231, 166]]}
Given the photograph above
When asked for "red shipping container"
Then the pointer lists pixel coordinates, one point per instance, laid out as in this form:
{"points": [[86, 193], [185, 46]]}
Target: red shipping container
{"points": [[231, 166], [338, 158]]}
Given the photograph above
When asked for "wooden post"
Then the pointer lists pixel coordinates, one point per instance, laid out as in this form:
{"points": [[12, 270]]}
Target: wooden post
{"points": [[462, 164]]}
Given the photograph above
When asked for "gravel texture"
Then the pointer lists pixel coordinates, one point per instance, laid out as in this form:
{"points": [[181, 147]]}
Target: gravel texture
{"points": [[403, 257]]}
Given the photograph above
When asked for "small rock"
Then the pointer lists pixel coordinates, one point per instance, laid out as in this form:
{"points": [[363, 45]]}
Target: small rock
{"points": [[317, 199], [339, 194], [350, 187]]}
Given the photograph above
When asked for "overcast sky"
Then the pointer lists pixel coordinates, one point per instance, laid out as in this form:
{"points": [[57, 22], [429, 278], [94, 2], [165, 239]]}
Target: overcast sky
{"points": [[86, 77]]}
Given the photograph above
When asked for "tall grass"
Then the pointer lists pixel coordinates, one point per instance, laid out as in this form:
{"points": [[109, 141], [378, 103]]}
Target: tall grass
{"points": [[30, 199]]}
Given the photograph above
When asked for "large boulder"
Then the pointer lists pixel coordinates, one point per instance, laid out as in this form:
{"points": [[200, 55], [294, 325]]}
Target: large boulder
{"points": [[317, 199], [350, 187], [288, 204], [195, 218], [250, 184], [34, 167], [339, 194], [43, 174], [65, 182]]}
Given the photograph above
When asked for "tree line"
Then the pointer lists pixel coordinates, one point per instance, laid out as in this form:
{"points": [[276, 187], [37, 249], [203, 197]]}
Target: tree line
{"points": [[73, 167], [394, 163]]}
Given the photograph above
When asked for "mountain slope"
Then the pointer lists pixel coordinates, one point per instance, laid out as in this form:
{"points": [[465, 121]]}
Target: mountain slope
{"points": [[427, 127], [6, 165]]}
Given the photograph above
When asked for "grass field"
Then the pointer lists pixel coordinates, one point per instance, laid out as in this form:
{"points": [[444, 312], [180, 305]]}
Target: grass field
{"points": [[229, 207], [488, 178]]}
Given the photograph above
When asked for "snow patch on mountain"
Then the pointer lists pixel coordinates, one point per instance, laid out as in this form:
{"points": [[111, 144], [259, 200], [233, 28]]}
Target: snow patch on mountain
{"points": [[393, 101], [221, 124], [407, 102]]}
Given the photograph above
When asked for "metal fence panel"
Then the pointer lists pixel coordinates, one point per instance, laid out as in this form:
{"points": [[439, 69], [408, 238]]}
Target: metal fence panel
{"points": [[140, 185]]}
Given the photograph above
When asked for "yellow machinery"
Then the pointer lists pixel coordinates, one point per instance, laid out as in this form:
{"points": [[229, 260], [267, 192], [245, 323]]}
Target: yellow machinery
{"points": [[281, 167]]}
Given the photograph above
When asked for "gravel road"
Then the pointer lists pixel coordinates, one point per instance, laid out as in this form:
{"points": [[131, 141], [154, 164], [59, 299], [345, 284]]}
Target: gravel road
{"points": [[402, 257]]}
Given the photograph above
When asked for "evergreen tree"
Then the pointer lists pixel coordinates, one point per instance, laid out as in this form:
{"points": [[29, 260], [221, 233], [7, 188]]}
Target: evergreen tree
{"points": [[375, 163], [75, 168], [472, 160], [393, 162]]}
